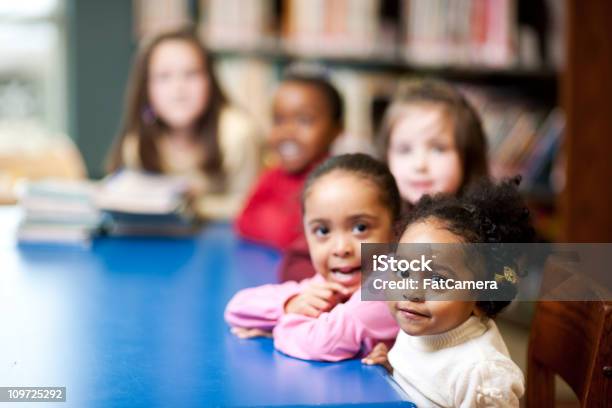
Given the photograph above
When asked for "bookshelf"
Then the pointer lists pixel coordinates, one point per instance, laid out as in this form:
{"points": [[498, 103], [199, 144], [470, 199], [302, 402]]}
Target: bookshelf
{"points": [[538, 67], [543, 78], [368, 46]]}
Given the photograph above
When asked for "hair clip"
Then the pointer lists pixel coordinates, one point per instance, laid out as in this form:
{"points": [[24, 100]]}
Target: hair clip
{"points": [[509, 275]]}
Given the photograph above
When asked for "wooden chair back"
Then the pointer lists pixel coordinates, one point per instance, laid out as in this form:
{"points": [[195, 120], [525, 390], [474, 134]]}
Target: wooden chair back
{"points": [[573, 340]]}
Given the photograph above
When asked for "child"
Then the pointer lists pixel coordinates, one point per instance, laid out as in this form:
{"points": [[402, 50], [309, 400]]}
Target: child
{"points": [[450, 353], [178, 121], [432, 140], [308, 115], [348, 200]]}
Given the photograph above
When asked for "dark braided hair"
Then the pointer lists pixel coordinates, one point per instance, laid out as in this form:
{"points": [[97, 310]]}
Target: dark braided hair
{"points": [[366, 167], [487, 213]]}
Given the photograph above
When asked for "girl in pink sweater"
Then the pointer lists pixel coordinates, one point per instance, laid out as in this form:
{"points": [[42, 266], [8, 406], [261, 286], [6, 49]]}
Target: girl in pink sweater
{"points": [[348, 200]]}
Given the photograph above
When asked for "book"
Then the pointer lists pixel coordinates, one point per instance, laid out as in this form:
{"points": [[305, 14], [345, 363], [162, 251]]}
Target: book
{"points": [[58, 211], [157, 16], [474, 33], [136, 192], [236, 24], [138, 203]]}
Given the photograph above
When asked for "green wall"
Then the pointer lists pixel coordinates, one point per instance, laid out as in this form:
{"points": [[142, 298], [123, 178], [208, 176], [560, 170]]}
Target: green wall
{"points": [[100, 44]]}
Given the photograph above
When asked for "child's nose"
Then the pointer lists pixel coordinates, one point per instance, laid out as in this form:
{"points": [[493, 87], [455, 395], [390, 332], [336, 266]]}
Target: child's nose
{"points": [[286, 127], [343, 247], [414, 295], [419, 160]]}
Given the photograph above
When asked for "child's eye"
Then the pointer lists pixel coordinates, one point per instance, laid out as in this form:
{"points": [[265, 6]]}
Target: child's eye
{"points": [[277, 119], [360, 228], [305, 119], [320, 231], [403, 149], [438, 278], [160, 76], [439, 148], [193, 73]]}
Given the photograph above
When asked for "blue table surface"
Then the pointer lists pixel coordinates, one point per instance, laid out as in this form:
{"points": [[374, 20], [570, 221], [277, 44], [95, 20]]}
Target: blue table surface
{"points": [[139, 322]]}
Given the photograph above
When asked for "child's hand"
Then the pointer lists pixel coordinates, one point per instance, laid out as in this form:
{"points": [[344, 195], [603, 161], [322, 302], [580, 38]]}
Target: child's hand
{"points": [[246, 333], [378, 355], [317, 298]]}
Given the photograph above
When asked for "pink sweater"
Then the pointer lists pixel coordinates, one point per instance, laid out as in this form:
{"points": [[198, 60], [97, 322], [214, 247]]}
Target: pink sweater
{"points": [[343, 332]]}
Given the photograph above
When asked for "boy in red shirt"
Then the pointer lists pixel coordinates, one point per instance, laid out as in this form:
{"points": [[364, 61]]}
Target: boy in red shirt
{"points": [[308, 116]]}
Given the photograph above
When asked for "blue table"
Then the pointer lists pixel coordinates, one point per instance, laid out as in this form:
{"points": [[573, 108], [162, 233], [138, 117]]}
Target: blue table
{"points": [[139, 322]]}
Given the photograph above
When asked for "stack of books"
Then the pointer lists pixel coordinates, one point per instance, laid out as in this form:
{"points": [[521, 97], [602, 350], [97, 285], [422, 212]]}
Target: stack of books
{"points": [[58, 212], [143, 204]]}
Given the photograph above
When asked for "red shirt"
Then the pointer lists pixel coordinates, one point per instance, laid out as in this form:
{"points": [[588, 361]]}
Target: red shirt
{"points": [[296, 264], [273, 212]]}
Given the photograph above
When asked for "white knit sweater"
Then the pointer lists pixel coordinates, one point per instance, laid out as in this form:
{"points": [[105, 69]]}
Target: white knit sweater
{"points": [[468, 366]]}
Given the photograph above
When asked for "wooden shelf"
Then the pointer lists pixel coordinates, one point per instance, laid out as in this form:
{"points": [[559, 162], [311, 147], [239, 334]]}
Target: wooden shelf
{"points": [[543, 78]]}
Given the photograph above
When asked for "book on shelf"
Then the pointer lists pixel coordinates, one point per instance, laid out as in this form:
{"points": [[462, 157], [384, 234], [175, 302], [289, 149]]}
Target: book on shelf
{"points": [[538, 165], [480, 34], [298, 27], [236, 24], [460, 32], [523, 136], [249, 83], [138, 203], [360, 91], [334, 27], [156, 16], [58, 211]]}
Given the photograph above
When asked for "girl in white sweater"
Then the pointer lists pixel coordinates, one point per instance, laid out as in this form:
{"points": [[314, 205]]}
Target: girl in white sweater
{"points": [[449, 353]]}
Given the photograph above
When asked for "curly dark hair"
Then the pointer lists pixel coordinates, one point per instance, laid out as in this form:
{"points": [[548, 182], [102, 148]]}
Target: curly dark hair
{"points": [[368, 168], [325, 88], [492, 213]]}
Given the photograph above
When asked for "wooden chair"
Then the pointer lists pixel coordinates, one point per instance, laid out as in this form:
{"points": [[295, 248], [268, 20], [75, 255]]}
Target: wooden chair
{"points": [[573, 340]]}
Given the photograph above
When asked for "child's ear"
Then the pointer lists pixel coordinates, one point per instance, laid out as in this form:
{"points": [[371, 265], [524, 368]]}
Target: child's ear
{"points": [[476, 311], [338, 129]]}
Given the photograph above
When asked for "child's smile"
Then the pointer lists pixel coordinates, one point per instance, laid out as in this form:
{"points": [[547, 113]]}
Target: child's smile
{"points": [[345, 274], [407, 311], [289, 150]]}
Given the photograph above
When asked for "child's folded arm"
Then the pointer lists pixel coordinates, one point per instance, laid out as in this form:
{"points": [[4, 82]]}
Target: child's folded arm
{"points": [[261, 307], [336, 335]]}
